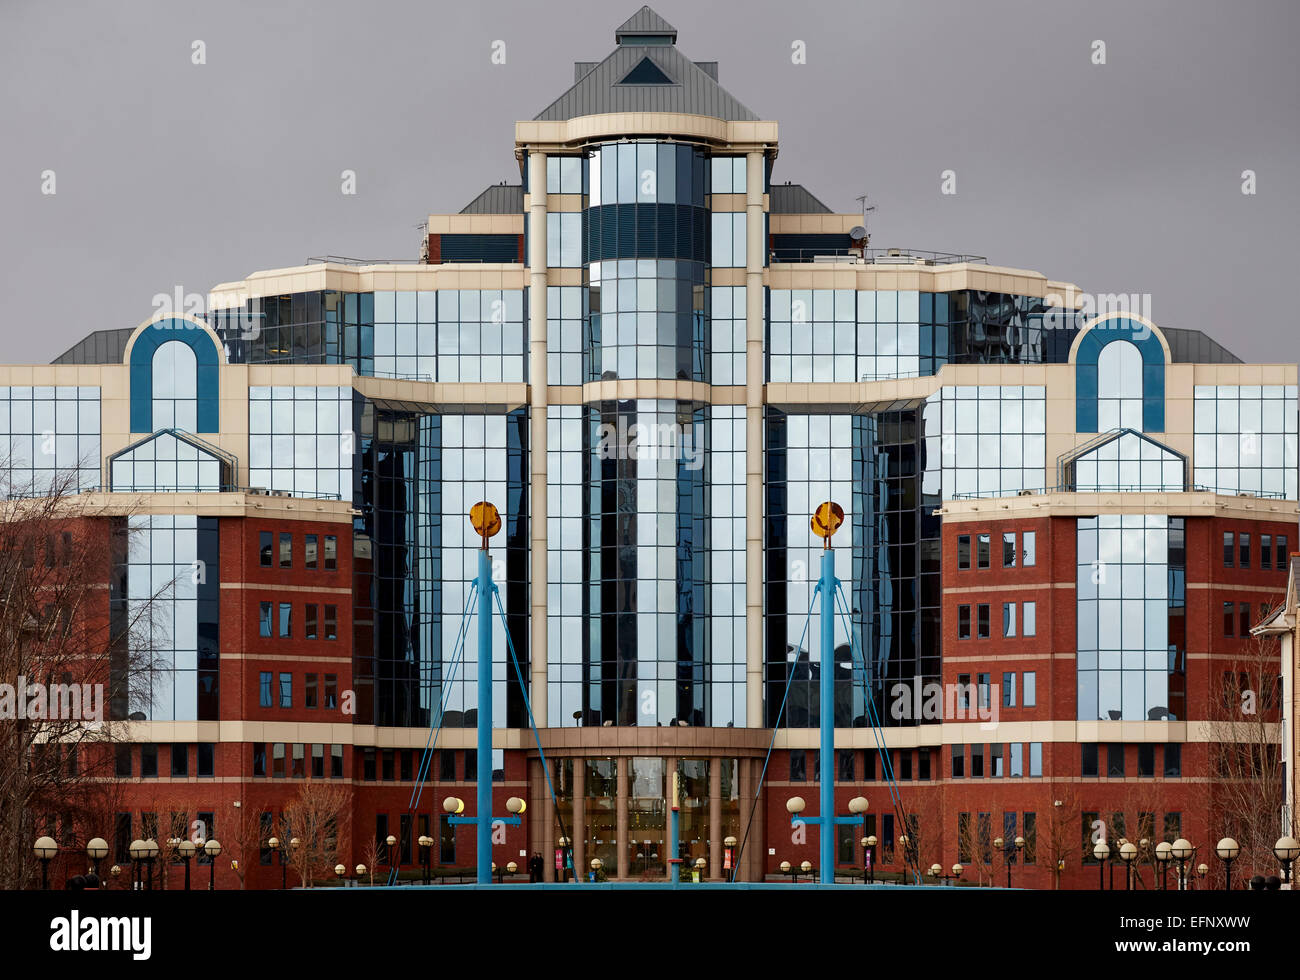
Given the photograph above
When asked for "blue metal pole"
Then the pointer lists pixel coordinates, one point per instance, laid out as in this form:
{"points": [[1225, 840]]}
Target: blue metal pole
{"points": [[483, 815], [827, 815]]}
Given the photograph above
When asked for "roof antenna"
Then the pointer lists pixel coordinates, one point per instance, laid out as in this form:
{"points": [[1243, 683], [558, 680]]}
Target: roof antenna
{"points": [[861, 238]]}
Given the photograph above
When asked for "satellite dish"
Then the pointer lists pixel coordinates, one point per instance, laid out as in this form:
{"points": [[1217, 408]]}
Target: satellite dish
{"points": [[857, 232]]}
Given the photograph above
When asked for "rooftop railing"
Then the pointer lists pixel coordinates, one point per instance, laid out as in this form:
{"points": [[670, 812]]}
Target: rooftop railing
{"points": [[875, 256], [1069, 488]]}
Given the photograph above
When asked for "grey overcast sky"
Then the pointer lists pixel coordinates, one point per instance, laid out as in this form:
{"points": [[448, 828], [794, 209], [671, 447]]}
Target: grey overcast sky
{"points": [[1122, 177]]}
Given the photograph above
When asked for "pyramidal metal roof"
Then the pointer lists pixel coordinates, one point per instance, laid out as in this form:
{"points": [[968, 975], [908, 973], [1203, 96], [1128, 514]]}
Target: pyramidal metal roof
{"points": [[691, 89], [645, 21], [497, 199]]}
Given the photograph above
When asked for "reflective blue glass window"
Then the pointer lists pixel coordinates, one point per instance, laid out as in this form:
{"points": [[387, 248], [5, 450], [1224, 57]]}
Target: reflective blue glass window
{"points": [[49, 435], [1245, 439]]}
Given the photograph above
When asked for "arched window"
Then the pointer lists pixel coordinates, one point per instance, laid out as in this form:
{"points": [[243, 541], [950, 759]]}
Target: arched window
{"points": [[175, 387], [1119, 387]]}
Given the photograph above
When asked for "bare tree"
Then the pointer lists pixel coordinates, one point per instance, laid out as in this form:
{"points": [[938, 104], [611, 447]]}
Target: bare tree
{"points": [[1061, 839], [374, 851], [68, 655], [318, 818], [1246, 793]]}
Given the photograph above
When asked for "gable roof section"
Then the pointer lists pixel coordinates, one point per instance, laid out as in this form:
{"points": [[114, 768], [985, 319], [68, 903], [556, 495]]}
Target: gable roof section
{"points": [[794, 199], [497, 199], [645, 22]]}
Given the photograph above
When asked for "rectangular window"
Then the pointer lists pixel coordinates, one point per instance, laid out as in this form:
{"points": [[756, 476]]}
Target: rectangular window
{"points": [[122, 838], [180, 761], [1173, 760], [977, 761], [1146, 760], [331, 691], [331, 622], [208, 819], [1173, 826], [1008, 619], [277, 760], [869, 764], [1031, 689], [404, 837], [995, 760], [1228, 618], [982, 611], [309, 621], [331, 552], [844, 765], [1008, 689], [447, 766], [299, 760], [963, 691], [259, 758], [983, 549], [924, 768], [368, 765], [264, 619], [1030, 853], [1265, 551], [1279, 552], [148, 761], [1029, 556], [123, 761], [309, 691], [958, 761], [1243, 550], [207, 757], [1243, 619], [1089, 820], [407, 765], [265, 547], [963, 551], [387, 769], [286, 550], [798, 766], [1016, 760], [471, 765], [985, 689], [963, 838], [286, 690], [309, 550], [265, 833], [1115, 760], [1029, 621], [1008, 549], [887, 838], [286, 619], [963, 622], [1088, 759], [336, 761], [1227, 549], [905, 764]]}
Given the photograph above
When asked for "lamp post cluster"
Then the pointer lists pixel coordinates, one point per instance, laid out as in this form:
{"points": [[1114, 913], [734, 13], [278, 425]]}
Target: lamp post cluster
{"points": [[1183, 853], [143, 854], [1001, 845]]}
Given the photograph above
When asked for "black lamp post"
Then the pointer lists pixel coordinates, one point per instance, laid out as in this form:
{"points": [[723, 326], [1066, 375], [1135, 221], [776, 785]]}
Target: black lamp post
{"points": [[212, 849], [45, 848], [1101, 851], [936, 870], [148, 852], [1182, 852], [426, 847], [729, 847], [1286, 850], [1163, 857], [869, 858], [391, 841], [186, 849], [1128, 853], [96, 850]]}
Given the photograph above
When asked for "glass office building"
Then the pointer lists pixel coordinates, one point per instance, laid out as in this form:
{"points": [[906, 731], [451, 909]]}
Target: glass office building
{"points": [[657, 359]]}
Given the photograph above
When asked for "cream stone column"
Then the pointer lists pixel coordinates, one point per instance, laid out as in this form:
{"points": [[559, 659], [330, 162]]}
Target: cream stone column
{"points": [[715, 819], [744, 871], [538, 601], [755, 251], [622, 815], [579, 832]]}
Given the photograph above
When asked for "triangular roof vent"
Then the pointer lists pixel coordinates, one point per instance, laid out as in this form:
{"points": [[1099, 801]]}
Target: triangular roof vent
{"points": [[646, 72]]}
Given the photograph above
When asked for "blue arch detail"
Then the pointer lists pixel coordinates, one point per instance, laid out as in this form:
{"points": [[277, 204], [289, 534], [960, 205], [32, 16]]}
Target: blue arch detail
{"points": [[1153, 372], [206, 356]]}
